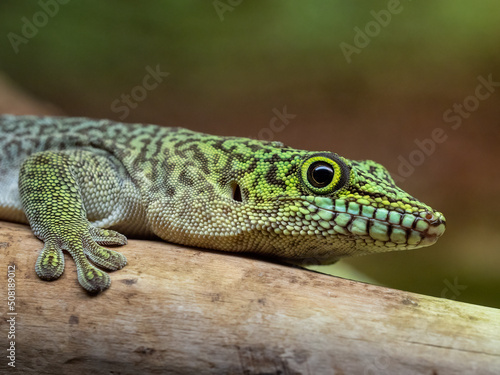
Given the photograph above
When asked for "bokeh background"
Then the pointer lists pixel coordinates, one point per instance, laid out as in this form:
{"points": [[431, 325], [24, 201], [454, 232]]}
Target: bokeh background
{"points": [[365, 79]]}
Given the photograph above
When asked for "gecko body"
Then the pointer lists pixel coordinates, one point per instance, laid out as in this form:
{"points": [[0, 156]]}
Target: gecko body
{"points": [[83, 184]]}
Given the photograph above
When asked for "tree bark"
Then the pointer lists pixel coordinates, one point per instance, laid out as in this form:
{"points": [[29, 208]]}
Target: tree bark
{"points": [[181, 310]]}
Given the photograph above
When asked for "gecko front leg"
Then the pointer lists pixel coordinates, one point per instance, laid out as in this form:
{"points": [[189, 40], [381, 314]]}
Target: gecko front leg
{"points": [[52, 200]]}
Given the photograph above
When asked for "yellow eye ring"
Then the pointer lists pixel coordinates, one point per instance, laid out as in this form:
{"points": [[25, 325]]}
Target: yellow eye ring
{"points": [[324, 173]]}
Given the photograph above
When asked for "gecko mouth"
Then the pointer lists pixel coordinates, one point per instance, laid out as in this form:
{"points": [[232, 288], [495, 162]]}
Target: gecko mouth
{"points": [[358, 220]]}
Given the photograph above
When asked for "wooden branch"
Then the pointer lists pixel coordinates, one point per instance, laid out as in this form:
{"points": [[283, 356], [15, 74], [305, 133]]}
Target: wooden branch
{"points": [[174, 309]]}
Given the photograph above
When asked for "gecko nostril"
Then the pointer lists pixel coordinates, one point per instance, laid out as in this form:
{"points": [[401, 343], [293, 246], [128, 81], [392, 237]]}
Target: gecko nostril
{"points": [[435, 218]]}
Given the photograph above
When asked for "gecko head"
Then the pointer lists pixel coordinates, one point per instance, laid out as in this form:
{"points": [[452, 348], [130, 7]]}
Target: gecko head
{"points": [[238, 194], [319, 207]]}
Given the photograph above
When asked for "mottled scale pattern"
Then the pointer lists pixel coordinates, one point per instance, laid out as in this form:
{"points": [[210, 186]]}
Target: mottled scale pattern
{"points": [[82, 183]]}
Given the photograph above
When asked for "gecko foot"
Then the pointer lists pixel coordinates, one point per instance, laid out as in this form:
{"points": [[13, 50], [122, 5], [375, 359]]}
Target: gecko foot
{"points": [[82, 247]]}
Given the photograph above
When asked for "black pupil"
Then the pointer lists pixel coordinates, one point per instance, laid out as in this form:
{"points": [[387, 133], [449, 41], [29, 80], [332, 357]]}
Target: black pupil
{"points": [[321, 174]]}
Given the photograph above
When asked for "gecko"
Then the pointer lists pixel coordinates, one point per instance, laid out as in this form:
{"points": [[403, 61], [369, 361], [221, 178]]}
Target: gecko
{"points": [[83, 184]]}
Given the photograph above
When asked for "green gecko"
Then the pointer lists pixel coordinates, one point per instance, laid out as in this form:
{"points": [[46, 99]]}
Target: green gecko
{"points": [[80, 183]]}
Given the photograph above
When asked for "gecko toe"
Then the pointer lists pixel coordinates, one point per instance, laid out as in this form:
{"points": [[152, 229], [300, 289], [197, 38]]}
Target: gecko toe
{"points": [[105, 258], [93, 279], [107, 236], [50, 262]]}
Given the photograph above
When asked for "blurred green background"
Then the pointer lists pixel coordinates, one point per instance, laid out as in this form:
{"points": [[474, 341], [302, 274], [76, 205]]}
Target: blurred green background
{"points": [[365, 79]]}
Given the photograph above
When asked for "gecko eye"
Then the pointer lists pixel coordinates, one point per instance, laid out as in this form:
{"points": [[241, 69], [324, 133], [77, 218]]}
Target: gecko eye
{"points": [[320, 174], [324, 173]]}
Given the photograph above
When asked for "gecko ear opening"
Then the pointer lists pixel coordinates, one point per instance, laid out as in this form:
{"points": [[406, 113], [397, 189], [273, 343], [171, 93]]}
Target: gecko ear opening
{"points": [[236, 192]]}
